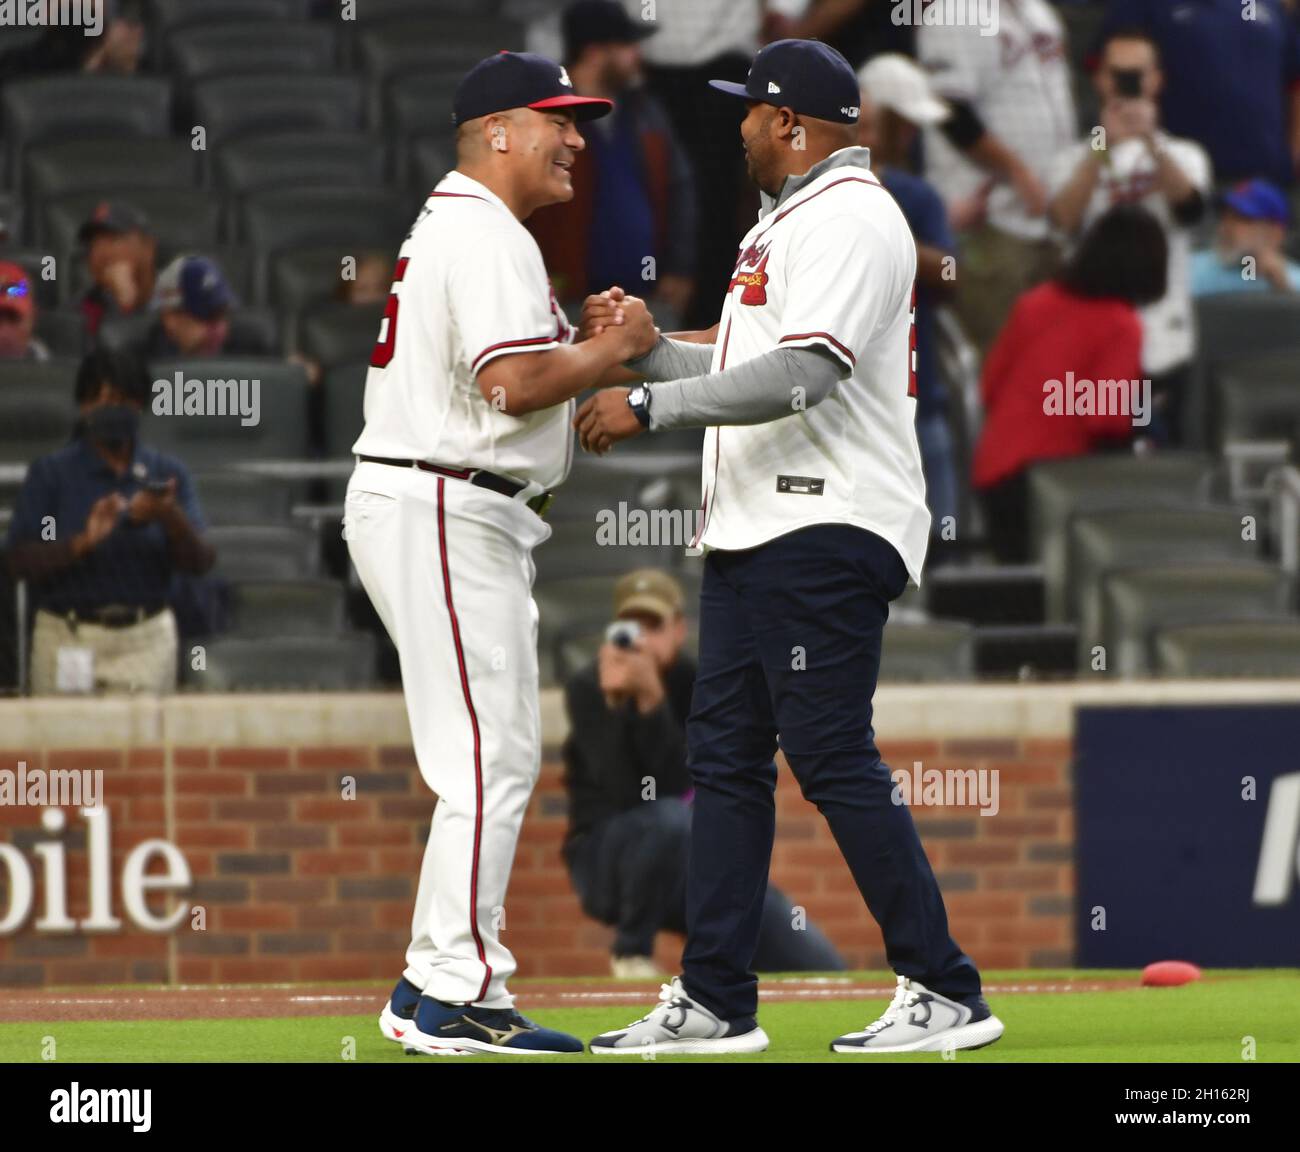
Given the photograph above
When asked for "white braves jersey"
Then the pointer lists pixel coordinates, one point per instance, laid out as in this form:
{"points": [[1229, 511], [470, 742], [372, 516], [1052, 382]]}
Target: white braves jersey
{"points": [[1130, 177], [832, 265], [470, 286], [1019, 83]]}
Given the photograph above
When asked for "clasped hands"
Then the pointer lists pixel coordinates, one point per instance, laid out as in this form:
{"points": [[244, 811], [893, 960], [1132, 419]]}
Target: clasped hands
{"points": [[605, 418]]}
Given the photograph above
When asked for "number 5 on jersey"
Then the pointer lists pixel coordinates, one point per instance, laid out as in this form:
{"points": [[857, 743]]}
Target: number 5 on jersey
{"points": [[383, 353]]}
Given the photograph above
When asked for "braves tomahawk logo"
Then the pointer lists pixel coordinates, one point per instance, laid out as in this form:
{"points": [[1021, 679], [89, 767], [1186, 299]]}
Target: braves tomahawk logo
{"points": [[754, 282]]}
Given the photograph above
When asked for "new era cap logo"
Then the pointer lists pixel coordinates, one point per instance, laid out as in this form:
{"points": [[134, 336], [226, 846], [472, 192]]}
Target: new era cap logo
{"points": [[773, 86], [564, 78]]}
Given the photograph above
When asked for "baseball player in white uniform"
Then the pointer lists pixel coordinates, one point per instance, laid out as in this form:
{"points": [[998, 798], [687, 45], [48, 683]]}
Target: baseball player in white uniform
{"points": [[814, 518], [468, 406]]}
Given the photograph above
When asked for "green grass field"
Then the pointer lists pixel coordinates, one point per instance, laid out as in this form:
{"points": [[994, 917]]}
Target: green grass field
{"points": [[1204, 1022]]}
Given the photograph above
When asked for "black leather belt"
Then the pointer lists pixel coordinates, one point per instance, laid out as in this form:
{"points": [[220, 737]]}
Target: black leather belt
{"points": [[480, 476], [113, 615]]}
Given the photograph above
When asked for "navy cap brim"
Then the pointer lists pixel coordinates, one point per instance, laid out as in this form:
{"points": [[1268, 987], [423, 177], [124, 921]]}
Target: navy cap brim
{"points": [[733, 89], [584, 107]]}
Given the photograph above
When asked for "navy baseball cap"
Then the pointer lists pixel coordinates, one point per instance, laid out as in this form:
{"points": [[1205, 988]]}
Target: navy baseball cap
{"points": [[806, 75], [520, 80], [600, 22], [196, 285], [1257, 200], [113, 216]]}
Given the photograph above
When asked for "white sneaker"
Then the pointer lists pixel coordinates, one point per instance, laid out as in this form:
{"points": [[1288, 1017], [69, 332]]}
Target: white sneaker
{"points": [[396, 1028], [634, 968], [678, 1025], [918, 1020]]}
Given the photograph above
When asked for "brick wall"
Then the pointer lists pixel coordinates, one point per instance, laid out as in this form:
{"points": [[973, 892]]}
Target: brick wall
{"points": [[299, 883]]}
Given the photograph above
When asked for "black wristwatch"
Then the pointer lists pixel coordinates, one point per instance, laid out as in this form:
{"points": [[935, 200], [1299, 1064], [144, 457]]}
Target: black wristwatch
{"points": [[638, 399]]}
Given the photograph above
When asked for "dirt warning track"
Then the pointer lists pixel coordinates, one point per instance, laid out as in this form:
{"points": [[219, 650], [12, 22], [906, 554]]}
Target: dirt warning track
{"points": [[240, 1001]]}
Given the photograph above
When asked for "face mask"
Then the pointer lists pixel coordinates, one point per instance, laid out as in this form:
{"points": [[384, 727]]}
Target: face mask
{"points": [[112, 426]]}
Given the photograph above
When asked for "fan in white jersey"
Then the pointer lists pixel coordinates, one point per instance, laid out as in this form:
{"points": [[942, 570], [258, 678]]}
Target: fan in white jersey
{"points": [[467, 409], [814, 518]]}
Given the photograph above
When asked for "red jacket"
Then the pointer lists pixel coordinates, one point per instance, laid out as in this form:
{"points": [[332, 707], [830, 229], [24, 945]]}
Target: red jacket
{"points": [[1051, 333]]}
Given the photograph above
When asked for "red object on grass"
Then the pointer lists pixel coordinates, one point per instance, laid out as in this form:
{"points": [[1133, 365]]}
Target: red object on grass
{"points": [[1169, 973]]}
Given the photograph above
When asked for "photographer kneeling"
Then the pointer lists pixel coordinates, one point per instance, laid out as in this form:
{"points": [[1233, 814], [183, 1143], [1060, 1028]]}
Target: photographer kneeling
{"points": [[630, 789]]}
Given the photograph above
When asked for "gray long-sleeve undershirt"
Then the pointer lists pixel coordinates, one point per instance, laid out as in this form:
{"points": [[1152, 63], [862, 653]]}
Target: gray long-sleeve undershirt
{"points": [[766, 388]]}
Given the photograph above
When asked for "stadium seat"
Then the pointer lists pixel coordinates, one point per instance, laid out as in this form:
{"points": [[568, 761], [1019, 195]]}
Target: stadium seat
{"points": [[430, 159], [326, 159], [265, 552], [37, 409], [105, 168], [936, 650], [380, 11], [336, 333], [228, 49], [168, 15], [82, 106], [279, 219], [1259, 399], [182, 219], [344, 386], [287, 664], [1233, 328], [231, 106], [253, 332], [1138, 602], [435, 43], [63, 331], [1131, 538], [1059, 489], [572, 550], [1267, 648], [579, 603], [418, 104], [288, 607], [216, 440], [241, 499], [304, 277]]}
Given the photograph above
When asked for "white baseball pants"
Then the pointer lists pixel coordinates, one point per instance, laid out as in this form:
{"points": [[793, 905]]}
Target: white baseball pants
{"points": [[448, 567]]}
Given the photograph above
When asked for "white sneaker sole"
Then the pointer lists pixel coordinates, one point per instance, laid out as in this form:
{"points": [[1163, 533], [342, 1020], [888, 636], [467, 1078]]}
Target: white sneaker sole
{"points": [[755, 1041], [968, 1036], [396, 1028]]}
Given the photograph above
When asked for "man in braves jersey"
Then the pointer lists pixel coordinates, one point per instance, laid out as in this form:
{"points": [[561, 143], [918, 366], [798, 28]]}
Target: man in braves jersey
{"points": [[467, 411], [814, 517]]}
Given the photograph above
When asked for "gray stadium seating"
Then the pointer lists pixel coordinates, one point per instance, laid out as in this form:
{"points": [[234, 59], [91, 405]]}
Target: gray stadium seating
{"points": [[302, 277], [1267, 648], [231, 106], [82, 106], [203, 51], [287, 664], [215, 440], [261, 608], [107, 168], [1060, 489], [936, 650], [241, 499], [338, 333], [417, 105], [279, 219], [344, 385], [37, 410], [430, 159], [265, 552], [1259, 399], [327, 159], [1233, 328], [1138, 602], [1103, 542], [63, 331], [182, 219]]}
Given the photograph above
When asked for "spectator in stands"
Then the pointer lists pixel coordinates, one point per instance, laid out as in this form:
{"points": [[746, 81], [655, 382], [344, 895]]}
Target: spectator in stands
{"points": [[193, 302], [1232, 79], [698, 41], [1012, 112], [630, 789], [896, 103], [99, 529], [67, 48], [18, 316], [1049, 383], [633, 196], [1134, 162], [122, 258], [1248, 255]]}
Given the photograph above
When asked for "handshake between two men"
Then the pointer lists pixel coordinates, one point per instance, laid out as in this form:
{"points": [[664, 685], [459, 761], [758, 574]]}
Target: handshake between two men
{"points": [[606, 418]]}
